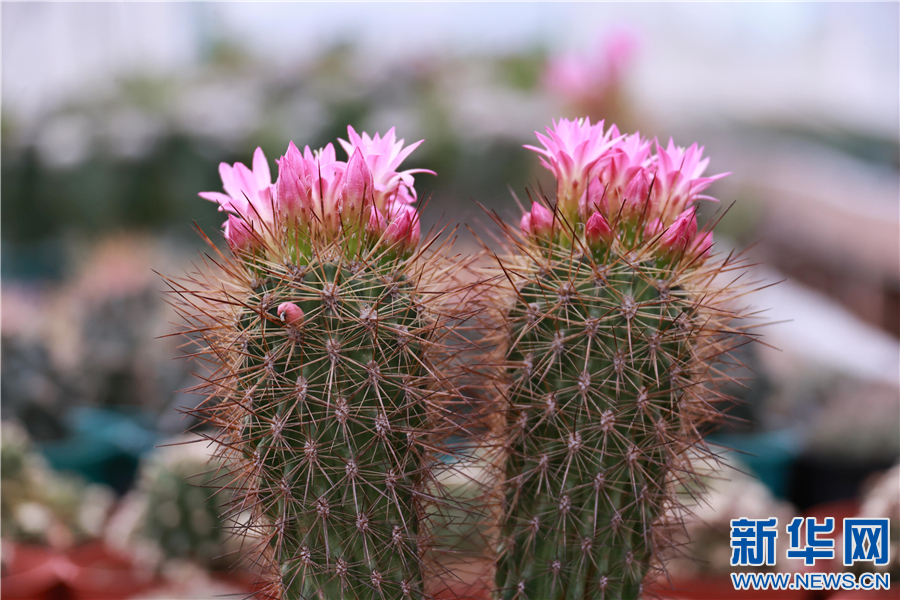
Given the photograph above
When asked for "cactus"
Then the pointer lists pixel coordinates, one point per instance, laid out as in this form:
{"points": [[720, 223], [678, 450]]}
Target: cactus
{"points": [[174, 514], [616, 331], [331, 381], [320, 329]]}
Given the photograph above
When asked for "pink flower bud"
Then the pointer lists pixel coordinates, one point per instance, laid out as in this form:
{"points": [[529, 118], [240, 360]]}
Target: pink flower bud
{"points": [[404, 229], [597, 231], [239, 234], [291, 189], [636, 195], [541, 221], [358, 188], [653, 229], [525, 224], [678, 237], [290, 313]]}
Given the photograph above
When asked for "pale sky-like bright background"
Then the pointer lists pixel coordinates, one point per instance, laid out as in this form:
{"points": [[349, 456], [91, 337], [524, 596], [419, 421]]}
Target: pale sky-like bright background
{"points": [[784, 61]]}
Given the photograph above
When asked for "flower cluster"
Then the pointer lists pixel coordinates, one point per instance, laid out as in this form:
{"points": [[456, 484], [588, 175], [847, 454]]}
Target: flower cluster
{"points": [[574, 151], [608, 182], [317, 194]]}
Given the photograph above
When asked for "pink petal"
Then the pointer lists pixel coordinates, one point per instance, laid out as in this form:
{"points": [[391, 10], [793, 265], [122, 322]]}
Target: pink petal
{"points": [[261, 169], [224, 201], [226, 172]]}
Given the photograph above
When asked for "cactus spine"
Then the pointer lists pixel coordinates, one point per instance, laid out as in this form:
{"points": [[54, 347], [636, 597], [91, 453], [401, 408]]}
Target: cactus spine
{"points": [[319, 330], [614, 330]]}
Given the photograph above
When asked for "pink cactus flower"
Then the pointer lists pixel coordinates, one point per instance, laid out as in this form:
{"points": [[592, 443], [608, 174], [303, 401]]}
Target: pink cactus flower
{"points": [[595, 199], [293, 196], [636, 196], [653, 229], [403, 229], [247, 193], [525, 225], [679, 178], [631, 154], [542, 219], [597, 232], [376, 223], [638, 188], [574, 151], [538, 223], [680, 234], [316, 186], [310, 185], [383, 156], [325, 175], [291, 314], [325, 194], [238, 234]]}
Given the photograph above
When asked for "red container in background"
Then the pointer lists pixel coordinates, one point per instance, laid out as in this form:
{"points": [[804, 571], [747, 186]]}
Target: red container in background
{"points": [[88, 572]]}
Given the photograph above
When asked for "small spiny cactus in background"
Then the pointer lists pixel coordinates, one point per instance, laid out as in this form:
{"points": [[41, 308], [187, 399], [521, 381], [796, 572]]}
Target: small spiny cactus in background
{"points": [[321, 331], [618, 336], [175, 512], [183, 516]]}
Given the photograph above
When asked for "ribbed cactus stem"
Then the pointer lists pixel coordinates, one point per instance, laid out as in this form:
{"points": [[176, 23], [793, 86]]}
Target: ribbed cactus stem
{"points": [[595, 424], [333, 423]]}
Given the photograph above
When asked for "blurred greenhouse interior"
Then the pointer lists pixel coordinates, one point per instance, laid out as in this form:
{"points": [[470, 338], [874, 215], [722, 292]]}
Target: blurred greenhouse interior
{"points": [[115, 115]]}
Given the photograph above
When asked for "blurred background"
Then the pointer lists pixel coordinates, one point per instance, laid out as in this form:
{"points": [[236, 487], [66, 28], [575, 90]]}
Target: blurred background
{"points": [[115, 115]]}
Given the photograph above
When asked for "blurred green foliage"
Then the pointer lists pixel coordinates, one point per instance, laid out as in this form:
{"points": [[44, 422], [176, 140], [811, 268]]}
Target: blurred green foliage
{"points": [[184, 128]]}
